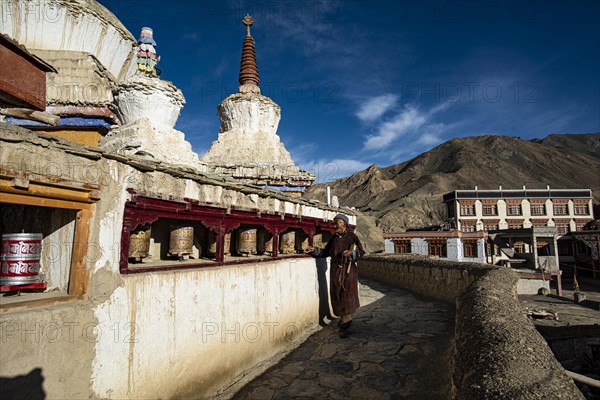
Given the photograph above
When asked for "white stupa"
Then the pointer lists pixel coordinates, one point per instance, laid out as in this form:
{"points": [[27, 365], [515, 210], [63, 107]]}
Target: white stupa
{"points": [[248, 147]]}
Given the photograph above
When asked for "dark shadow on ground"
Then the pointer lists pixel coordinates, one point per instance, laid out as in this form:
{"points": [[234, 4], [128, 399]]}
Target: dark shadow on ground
{"points": [[324, 310], [591, 304], [23, 387]]}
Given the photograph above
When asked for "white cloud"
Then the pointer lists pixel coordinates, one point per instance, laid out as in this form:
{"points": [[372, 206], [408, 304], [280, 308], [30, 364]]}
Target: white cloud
{"points": [[376, 107], [429, 139], [402, 123], [411, 121], [302, 153], [431, 135]]}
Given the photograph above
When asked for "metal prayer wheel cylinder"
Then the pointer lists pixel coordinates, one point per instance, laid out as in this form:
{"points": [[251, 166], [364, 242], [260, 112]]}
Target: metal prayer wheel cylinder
{"points": [[20, 258], [212, 243], [318, 240], [139, 243], [247, 241], [181, 241], [265, 241], [288, 243], [301, 241]]}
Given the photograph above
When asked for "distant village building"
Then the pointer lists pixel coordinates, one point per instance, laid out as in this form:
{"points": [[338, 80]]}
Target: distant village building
{"points": [[535, 229], [568, 211], [248, 148], [452, 245], [486, 210]]}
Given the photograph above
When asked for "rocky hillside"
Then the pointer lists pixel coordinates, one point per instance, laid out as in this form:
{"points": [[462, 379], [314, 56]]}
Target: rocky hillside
{"points": [[409, 195]]}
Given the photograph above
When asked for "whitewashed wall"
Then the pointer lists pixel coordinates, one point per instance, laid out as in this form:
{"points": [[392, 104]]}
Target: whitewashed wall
{"points": [[195, 331], [171, 334], [388, 246], [77, 25]]}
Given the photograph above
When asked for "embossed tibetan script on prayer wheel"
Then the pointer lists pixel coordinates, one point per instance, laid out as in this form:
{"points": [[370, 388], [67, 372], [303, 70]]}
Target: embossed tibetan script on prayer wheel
{"points": [[247, 241], [20, 259], [139, 243], [288, 243], [181, 241]]}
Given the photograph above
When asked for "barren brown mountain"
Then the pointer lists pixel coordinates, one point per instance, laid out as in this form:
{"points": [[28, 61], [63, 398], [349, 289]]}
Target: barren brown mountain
{"points": [[409, 195]]}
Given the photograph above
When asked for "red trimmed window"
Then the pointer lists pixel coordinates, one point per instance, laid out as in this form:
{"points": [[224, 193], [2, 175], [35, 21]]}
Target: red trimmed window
{"points": [[437, 247], [514, 209], [538, 209], [402, 246], [490, 209], [581, 209], [470, 248], [467, 209], [561, 209]]}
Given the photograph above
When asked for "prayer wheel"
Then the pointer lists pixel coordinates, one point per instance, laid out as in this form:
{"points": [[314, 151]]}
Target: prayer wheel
{"points": [[212, 243], [265, 241], [247, 241], [20, 258], [139, 243], [318, 240], [181, 241], [288, 243], [301, 241]]}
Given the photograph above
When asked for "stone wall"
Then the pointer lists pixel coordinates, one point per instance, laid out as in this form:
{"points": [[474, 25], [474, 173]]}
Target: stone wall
{"points": [[498, 353], [444, 280], [180, 333]]}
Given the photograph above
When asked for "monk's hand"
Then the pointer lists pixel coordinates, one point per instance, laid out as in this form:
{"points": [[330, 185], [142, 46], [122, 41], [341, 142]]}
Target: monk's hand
{"points": [[347, 253], [309, 250]]}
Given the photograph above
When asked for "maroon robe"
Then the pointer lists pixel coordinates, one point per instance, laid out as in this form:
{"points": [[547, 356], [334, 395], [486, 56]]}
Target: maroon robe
{"points": [[343, 286]]}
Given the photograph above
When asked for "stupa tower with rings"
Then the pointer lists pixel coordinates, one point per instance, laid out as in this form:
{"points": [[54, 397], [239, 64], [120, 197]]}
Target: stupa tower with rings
{"points": [[248, 147]]}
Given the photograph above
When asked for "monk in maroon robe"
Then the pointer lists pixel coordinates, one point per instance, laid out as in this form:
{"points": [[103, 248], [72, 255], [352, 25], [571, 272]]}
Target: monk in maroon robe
{"points": [[343, 248]]}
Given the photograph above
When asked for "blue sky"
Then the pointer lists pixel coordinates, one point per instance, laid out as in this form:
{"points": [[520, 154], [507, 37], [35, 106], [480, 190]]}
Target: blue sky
{"points": [[379, 82]]}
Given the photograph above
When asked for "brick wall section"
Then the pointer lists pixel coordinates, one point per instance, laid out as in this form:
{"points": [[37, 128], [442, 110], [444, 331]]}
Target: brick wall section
{"points": [[498, 354]]}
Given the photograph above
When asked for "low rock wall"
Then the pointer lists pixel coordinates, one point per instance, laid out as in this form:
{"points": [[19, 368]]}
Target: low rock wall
{"points": [[498, 354], [444, 280]]}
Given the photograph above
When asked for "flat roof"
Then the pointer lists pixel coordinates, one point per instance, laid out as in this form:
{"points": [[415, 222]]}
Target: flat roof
{"points": [[433, 234], [519, 194]]}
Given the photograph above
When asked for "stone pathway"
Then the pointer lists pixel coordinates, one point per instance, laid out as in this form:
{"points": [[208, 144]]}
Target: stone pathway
{"points": [[399, 349]]}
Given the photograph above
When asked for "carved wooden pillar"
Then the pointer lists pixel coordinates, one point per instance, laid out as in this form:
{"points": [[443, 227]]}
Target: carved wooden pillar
{"points": [[310, 233], [275, 232], [124, 261], [220, 255], [132, 218]]}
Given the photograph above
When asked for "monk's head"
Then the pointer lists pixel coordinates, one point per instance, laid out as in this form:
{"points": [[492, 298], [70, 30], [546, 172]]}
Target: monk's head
{"points": [[341, 223]]}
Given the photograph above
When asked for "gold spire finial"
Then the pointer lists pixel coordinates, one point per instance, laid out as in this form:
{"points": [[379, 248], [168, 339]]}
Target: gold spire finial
{"points": [[248, 21]]}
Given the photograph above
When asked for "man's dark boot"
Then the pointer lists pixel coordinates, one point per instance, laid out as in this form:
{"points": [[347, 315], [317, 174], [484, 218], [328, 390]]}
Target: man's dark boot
{"points": [[344, 330]]}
